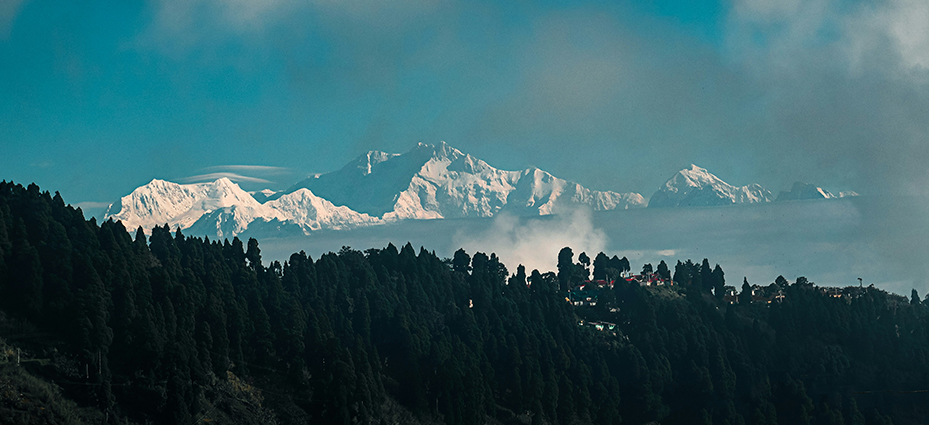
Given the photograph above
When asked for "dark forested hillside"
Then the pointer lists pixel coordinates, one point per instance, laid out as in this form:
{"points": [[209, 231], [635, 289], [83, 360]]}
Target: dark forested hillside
{"points": [[97, 325]]}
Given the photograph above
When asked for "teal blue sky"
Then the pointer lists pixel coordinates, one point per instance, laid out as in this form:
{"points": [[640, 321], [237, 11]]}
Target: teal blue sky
{"points": [[99, 97]]}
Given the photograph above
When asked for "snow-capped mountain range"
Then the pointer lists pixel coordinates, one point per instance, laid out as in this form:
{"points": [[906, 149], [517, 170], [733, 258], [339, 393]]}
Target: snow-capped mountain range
{"points": [[223, 209], [439, 181], [696, 187], [428, 182]]}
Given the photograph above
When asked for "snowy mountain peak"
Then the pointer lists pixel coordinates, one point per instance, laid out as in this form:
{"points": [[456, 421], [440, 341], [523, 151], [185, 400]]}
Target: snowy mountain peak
{"points": [[162, 202], [437, 151], [695, 186], [311, 212], [696, 170], [453, 184], [222, 209], [692, 177], [440, 181]]}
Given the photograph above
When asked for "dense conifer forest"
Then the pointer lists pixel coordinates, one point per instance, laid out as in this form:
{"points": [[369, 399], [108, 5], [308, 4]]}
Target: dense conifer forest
{"points": [[100, 325]]}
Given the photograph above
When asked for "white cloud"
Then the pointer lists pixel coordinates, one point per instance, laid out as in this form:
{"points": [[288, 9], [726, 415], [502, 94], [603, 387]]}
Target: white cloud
{"points": [[91, 205], [778, 35], [178, 26], [909, 25], [8, 11], [257, 174], [903, 24], [535, 243], [767, 10], [251, 12], [240, 14], [238, 178], [266, 169], [788, 33]]}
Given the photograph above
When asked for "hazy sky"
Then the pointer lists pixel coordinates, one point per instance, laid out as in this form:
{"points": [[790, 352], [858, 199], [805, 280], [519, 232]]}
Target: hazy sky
{"points": [[99, 97]]}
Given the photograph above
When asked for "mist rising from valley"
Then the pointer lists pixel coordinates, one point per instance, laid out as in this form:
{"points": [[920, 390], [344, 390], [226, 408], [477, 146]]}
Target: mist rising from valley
{"points": [[831, 242]]}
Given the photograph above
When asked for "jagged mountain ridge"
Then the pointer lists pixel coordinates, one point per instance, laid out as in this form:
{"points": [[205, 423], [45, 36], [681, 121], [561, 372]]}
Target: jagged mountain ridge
{"points": [[439, 181], [696, 187], [180, 205], [222, 209], [428, 182]]}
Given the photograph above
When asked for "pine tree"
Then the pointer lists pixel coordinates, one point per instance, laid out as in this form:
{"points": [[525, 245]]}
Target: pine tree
{"points": [[719, 282], [706, 275], [663, 270], [601, 263], [566, 269], [745, 296], [461, 263], [681, 274]]}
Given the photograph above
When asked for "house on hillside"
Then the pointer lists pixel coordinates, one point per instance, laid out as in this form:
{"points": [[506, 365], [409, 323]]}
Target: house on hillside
{"points": [[832, 292], [730, 295], [779, 296], [759, 294], [848, 293], [649, 279], [600, 283], [852, 292], [600, 326], [767, 294], [586, 294]]}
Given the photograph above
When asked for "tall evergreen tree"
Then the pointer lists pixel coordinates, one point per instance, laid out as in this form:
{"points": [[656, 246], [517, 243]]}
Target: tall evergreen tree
{"points": [[601, 264], [719, 282], [745, 295], [461, 263], [566, 269], [663, 270]]}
